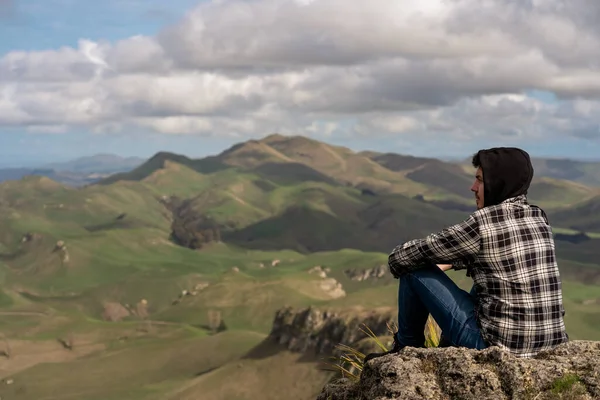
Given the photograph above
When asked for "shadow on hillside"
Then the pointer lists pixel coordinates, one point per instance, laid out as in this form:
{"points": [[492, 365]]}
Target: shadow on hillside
{"points": [[206, 371], [311, 357], [267, 348], [292, 173], [116, 224]]}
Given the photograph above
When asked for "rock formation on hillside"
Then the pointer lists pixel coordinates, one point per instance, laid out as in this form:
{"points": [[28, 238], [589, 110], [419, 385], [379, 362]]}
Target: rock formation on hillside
{"points": [[363, 274], [189, 228], [570, 371], [317, 331], [319, 271], [184, 293], [61, 248], [332, 287]]}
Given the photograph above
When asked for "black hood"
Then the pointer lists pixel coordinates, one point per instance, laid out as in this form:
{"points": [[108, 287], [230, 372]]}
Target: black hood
{"points": [[507, 172]]}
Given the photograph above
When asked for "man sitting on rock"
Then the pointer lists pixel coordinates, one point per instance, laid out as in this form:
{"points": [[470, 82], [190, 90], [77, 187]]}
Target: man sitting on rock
{"points": [[507, 248]]}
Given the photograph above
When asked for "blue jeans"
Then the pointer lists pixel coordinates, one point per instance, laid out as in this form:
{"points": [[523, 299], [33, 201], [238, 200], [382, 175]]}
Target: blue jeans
{"points": [[429, 290]]}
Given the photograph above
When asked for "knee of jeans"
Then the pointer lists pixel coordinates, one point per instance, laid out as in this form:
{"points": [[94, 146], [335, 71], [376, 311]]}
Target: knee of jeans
{"points": [[418, 271], [406, 278]]}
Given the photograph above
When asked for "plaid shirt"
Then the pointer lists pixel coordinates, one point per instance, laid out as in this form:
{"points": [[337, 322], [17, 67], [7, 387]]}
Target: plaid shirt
{"points": [[508, 250]]}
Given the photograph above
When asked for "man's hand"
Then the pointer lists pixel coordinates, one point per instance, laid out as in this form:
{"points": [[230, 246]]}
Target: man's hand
{"points": [[444, 267]]}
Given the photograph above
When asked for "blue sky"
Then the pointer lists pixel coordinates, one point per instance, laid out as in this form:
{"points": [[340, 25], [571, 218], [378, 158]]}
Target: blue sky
{"points": [[50, 24], [240, 69]]}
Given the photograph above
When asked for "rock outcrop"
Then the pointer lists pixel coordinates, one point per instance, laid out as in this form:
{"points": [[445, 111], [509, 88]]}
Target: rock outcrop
{"points": [[197, 288], [570, 371], [319, 271], [332, 287], [188, 227], [320, 331], [365, 274], [61, 248]]}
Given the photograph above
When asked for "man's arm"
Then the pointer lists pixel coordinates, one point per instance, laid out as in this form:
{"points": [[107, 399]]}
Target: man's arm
{"points": [[458, 244]]}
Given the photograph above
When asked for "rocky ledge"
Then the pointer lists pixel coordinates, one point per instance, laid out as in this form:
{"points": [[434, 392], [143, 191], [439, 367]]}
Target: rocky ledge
{"points": [[319, 331], [570, 371]]}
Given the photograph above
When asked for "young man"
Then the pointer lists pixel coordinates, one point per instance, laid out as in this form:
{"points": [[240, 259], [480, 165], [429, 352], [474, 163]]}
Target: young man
{"points": [[507, 248]]}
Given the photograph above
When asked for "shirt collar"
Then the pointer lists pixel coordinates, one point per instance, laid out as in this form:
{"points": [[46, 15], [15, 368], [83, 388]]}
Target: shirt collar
{"points": [[521, 199]]}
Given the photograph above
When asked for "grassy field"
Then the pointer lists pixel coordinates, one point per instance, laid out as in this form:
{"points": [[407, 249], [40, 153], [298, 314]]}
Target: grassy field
{"points": [[145, 368], [172, 356], [137, 359]]}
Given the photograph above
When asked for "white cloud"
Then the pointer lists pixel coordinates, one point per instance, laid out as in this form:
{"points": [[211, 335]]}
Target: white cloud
{"points": [[178, 125], [138, 54], [458, 68], [395, 123]]}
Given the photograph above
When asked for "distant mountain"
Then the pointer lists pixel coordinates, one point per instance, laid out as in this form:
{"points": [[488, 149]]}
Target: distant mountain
{"points": [[9, 174], [99, 163], [293, 192], [298, 193], [296, 158], [585, 172], [78, 172]]}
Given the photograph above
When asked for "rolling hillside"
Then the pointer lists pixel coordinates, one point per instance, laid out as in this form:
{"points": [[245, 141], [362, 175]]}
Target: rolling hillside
{"points": [[162, 282], [584, 172], [583, 216]]}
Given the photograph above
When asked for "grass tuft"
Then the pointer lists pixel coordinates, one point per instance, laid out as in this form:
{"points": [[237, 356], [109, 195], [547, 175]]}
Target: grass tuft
{"points": [[350, 362]]}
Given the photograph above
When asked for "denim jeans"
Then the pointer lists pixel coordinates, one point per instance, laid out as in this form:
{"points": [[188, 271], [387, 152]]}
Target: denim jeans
{"points": [[429, 290]]}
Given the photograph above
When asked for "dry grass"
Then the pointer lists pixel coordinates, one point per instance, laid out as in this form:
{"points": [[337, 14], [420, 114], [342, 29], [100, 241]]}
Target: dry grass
{"points": [[26, 354], [282, 375], [351, 362]]}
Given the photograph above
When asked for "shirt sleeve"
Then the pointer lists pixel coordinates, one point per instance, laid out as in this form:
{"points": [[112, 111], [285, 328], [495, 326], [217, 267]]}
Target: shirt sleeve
{"points": [[457, 245]]}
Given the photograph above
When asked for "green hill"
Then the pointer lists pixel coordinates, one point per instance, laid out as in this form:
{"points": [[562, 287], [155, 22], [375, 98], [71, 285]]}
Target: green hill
{"points": [[584, 172], [583, 216]]}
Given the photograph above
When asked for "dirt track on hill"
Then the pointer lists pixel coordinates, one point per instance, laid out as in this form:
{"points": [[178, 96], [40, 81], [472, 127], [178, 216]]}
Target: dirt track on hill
{"points": [[25, 354]]}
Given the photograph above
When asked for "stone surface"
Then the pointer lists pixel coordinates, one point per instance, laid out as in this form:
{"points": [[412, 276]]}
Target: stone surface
{"points": [[570, 371]]}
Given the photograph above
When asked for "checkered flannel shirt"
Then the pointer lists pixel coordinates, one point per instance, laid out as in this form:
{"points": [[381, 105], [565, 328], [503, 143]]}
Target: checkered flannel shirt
{"points": [[508, 250]]}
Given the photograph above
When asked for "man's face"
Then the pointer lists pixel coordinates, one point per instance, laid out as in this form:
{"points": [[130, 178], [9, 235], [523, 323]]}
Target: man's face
{"points": [[477, 188]]}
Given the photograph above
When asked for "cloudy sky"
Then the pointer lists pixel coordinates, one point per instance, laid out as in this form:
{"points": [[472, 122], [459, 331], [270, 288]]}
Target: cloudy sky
{"points": [[426, 77]]}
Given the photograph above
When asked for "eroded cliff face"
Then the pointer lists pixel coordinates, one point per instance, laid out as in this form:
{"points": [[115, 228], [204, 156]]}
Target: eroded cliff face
{"points": [[366, 274], [570, 371], [319, 331]]}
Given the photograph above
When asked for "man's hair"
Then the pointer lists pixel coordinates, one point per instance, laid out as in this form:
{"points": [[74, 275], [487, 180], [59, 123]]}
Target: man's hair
{"points": [[476, 160]]}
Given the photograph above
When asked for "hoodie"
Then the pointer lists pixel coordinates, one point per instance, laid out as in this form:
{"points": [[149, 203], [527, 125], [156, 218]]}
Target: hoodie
{"points": [[507, 173]]}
